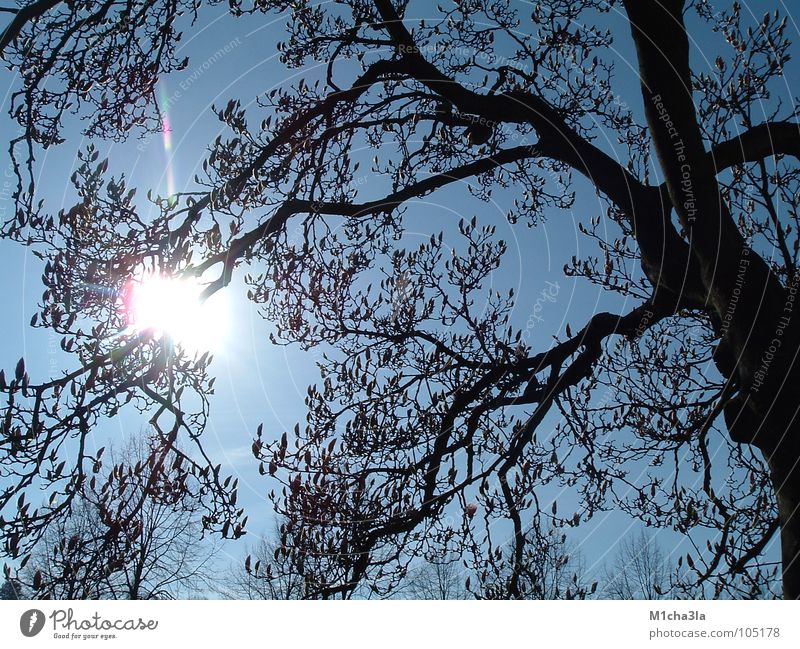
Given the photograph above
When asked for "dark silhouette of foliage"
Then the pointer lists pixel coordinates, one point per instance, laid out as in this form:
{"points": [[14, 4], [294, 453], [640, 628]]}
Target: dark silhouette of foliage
{"points": [[425, 432]]}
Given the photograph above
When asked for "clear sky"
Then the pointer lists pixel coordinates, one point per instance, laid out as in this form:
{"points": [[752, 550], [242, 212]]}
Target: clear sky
{"points": [[258, 382]]}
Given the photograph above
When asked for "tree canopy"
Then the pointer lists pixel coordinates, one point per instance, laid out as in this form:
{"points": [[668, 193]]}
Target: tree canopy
{"points": [[437, 420]]}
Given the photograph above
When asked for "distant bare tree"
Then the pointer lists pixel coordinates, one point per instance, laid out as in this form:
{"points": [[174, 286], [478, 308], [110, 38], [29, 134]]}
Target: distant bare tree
{"points": [[440, 579], [263, 576], [639, 570], [549, 568], [99, 552]]}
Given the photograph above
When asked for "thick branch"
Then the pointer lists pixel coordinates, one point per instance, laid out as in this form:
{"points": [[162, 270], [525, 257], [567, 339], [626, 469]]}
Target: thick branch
{"points": [[762, 141], [665, 256], [731, 272], [240, 246], [283, 136], [590, 338], [25, 15]]}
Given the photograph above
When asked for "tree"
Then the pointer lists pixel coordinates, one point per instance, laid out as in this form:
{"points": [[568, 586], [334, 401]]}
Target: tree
{"points": [[441, 579], [423, 430], [641, 570], [102, 551], [265, 574], [550, 568], [638, 571]]}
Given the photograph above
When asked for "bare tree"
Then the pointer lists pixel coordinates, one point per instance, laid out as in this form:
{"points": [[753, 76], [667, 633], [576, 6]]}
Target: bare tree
{"points": [[423, 428], [438, 579], [550, 568], [640, 570], [263, 575], [157, 554]]}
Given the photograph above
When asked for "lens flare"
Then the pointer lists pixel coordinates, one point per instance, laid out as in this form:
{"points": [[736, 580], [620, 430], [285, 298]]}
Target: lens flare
{"points": [[166, 135]]}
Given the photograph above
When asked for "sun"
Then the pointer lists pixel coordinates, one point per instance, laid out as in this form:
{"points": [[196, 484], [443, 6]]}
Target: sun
{"points": [[174, 308]]}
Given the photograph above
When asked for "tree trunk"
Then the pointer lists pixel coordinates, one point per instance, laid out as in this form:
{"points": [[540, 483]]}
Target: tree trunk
{"points": [[784, 466], [759, 348]]}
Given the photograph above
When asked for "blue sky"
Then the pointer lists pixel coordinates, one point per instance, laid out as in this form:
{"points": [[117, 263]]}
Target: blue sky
{"points": [[258, 382]]}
